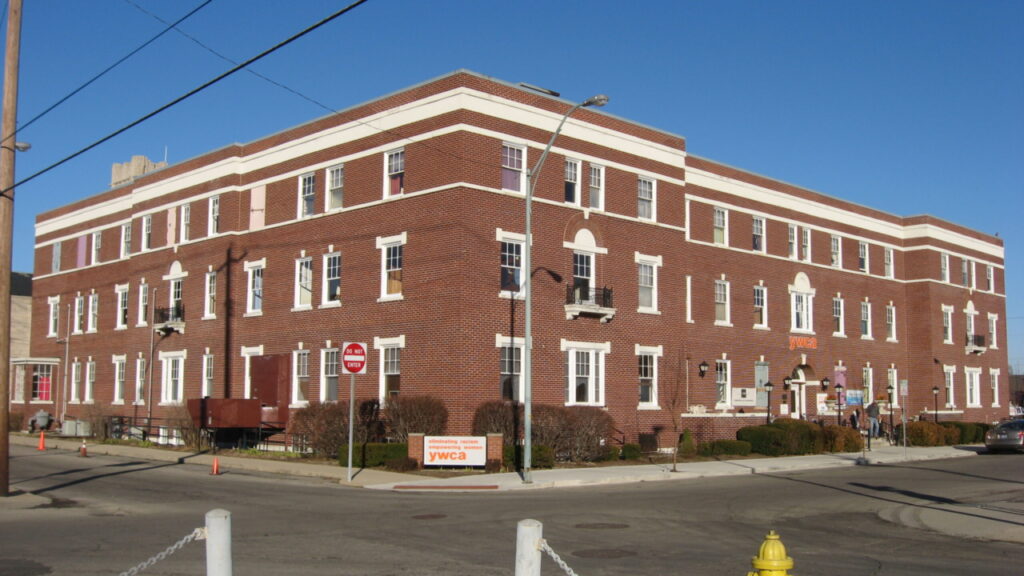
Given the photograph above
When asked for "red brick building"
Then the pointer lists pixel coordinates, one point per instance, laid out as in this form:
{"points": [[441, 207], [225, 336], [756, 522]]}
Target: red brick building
{"points": [[666, 286]]}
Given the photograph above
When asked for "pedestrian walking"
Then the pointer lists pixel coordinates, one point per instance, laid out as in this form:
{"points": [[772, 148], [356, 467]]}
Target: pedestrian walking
{"points": [[855, 419], [873, 412]]}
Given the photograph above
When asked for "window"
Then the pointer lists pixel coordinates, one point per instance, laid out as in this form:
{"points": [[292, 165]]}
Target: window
{"points": [[335, 187], [119, 377], [177, 311], [647, 282], [513, 159], [722, 303], [143, 304], [213, 222], [55, 258], [647, 371], [583, 277], [892, 380], [511, 266], [791, 240], [304, 283], [186, 221], [890, 323], [993, 379], [329, 382], [944, 267], [969, 314], [140, 380], [390, 365], [76, 382], [758, 232], [90, 382], [210, 295], [53, 323], [392, 251], [865, 320], [973, 387], [172, 390], [94, 312], [97, 245], [964, 274], [993, 324], [42, 383], [890, 271], [597, 187], [838, 313], [572, 182], [760, 307], [79, 313], [805, 244], [990, 279], [207, 376], [869, 383], [585, 373], [720, 220], [147, 232], [254, 283], [947, 324], [645, 198], [510, 367], [332, 279], [948, 374], [247, 353], [801, 304], [837, 252], [126, 240], [723, 384], [300, 377], [862, 257], [395, 166], [80, 254], [121, 293], [307, 195], [973, 266]]}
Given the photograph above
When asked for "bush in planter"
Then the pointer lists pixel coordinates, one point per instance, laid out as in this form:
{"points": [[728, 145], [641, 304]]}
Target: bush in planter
{"points": [[767, 440], [842, 439], [725, 447], [924, 434]]}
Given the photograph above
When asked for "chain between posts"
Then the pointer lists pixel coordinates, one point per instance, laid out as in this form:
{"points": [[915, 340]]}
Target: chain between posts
{"points": [[197, 534], [554, 556]]}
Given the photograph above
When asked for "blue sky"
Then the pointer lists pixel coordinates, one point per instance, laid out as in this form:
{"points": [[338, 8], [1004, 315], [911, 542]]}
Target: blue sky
{"points": [[910, 107]]}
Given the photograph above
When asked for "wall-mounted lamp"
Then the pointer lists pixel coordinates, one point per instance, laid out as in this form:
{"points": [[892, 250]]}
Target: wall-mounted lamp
{"points": [[824, 383], [702, 369], [787, 382]]}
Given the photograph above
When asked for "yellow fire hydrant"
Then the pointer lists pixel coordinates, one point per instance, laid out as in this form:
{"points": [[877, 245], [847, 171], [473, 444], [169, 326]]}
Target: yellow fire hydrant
{"points": [[771, 560]]}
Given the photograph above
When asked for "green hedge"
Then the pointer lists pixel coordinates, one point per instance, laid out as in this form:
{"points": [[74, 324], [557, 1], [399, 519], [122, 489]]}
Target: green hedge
{"points": [[725, 448], [802, 437], [687, 446], [765, 440], [631, 452], [542, 457], [970, 432], [372, 454]]}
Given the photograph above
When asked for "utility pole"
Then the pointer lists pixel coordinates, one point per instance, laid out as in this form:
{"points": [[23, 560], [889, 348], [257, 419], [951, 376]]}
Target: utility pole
{"points": [[8, 125]]}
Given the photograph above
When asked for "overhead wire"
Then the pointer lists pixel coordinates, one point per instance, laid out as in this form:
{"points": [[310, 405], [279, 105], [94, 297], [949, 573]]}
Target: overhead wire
{"points": [[189, 94], [107, 69]]}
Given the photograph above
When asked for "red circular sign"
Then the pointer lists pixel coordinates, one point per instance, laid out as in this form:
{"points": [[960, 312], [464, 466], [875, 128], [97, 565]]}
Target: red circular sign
{"points": [[353, 358]]}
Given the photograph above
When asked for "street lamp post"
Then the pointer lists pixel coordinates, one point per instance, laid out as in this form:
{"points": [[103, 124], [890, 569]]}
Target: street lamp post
{"points": [[935, 395], [839, 404], [768, 386], [824, 387], [787, 384], [890, 389], [531, 181]]}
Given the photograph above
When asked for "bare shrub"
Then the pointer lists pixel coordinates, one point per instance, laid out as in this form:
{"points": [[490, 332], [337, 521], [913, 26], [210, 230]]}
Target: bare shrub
{"points": [[424, 414], [190, 434], [549, 428], [322, 426], [99, 421], [587, 428], [499, 416]]}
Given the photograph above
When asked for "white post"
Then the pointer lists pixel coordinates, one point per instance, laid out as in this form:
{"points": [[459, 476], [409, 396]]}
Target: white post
{"points": [[351, 418], [528, 537], [218, 543]]}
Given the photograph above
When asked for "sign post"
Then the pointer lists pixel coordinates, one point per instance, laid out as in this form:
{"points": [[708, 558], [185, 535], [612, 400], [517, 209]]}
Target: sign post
{"points": [[353, 361]]}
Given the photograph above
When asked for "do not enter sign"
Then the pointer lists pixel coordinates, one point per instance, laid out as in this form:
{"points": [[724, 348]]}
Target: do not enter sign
{"points": [[353, 358]]}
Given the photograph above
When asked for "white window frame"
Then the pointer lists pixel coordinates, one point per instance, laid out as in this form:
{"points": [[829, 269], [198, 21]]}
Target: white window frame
{"points": [[334, 178], [890, 322], [303, 290], [655, 353], [508, 163], [210, 295], [383, 345], [947, 324], [641, 189], [126, 240], [89, 392], [79, 319], [506, 237], [893, 379], [758, 227], [121, 297], [993, 381], [868, 376], [864, 257], [723, 384], [573, 169], [653, 263], [247, 353], [596, 187], [793, 247], [949, 382], [865, 321], [330, 368], [595, 353], [147, 232], [300, 371], [140, 381], [972, 383], [306, 196], [837, 251], [890, 263], [944, 267], [839, 313], [762, 306], [805, 244], [172, 377], [255, 287], [208, 375], [990, 278], [723, 302], [993, 331], [53, 318], [97, 246], [720, 226], [389, 171], [120, 367], [801, 305], [213, 216], [55, 257], [383, 243], [143, 305], [93, 317], [186, 221], [326, 300], [965, 274], [76, 382], [516, 345]]}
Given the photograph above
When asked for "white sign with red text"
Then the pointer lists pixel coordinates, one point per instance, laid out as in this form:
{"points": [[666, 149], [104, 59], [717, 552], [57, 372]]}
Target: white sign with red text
{"points": [[353, 358], [454, 450]]}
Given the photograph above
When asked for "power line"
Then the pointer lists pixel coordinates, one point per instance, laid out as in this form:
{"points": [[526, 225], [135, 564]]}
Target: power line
{"points": [[187, 95], [107, 69]]}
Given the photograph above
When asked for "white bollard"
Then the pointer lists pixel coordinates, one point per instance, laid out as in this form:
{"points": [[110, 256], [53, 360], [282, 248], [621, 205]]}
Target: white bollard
{"points": [[528, 538], [218, 543]]}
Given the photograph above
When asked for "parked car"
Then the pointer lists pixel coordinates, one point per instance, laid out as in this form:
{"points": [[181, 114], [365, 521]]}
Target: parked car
{"points": [[1007, 435]]}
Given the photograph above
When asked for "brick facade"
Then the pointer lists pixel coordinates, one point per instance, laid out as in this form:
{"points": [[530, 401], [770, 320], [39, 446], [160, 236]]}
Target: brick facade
{"points": [[452, 316]]}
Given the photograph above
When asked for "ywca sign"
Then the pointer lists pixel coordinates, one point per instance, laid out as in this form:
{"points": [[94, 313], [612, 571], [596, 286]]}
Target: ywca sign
{"points": [[454, 450]]}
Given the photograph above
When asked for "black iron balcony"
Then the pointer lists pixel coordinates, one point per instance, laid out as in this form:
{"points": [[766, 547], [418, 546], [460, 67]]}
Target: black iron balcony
{"points": [[975, 343], [172, 314], [581, 300]]}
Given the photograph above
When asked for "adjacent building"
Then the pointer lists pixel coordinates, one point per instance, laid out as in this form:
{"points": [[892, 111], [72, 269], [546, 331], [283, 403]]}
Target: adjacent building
{"points": [[668, 288]]}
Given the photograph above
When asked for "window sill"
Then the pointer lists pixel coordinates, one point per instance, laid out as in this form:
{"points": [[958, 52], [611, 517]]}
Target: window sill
{"points": [[762, 327], [331, 304], [801, 331], [723, 407], [40, 401], [303, 404], [892, 340], [721, 323], [253, 314], [584, 404], [117, 403], [866, 338], [301, 308], [648, 407], [170, 403], [139, 403], [209, 317], [653, 311], [119, 328], [141, 325], [391, 298], [974, 406], [839, 334], [509, 295]]}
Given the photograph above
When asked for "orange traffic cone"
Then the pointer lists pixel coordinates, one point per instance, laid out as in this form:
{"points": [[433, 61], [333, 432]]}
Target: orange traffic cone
{"points": [[216, 467], [42, 441], [82, 451]]}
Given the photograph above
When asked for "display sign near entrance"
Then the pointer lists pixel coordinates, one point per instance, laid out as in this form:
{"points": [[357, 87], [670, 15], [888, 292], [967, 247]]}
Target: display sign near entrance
{"points": [[454, 450], [353, 358]]}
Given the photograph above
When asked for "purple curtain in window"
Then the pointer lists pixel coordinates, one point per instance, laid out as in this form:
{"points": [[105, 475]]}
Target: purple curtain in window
{"points": [[81, 251]]}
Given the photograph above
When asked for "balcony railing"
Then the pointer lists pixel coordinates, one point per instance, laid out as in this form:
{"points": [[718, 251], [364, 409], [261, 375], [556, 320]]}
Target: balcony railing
{"points": [[975, 343], [586, 301], [171, 314]]}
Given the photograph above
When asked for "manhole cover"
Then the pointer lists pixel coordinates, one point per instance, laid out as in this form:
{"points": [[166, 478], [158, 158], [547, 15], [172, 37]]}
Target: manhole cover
{"points": [[22, 567], [429, 516], [604, 553], [602, 526]]}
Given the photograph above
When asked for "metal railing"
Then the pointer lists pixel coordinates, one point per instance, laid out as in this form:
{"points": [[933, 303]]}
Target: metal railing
{"points": [[171, 314], [975, 340], [583, 295]]}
